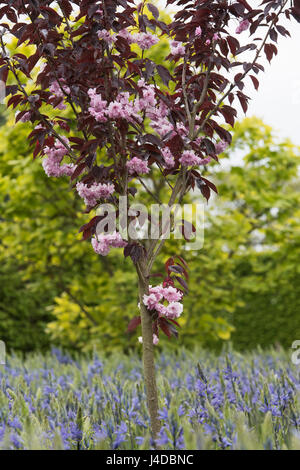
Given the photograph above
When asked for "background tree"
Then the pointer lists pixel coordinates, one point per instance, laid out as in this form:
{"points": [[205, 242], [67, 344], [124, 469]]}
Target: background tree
{"points": [[260, 212], [113, 92]]}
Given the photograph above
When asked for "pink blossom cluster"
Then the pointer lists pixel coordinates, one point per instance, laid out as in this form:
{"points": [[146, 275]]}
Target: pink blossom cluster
{"points": [[136, 165], [162, 126], [58, 92], [59, 150], [168, 157], [106, 36], [52, 164], [122, 107], [205, 161], [221, 146], [115, 110], [182, 130], [158, 295], [143, 40], [148, 99], [104, 242], [91, 194], [159, 121], [54, 169], [177, 48], [243, 26], [189, 158], [198, 31], [128, 109], [98, 106]]}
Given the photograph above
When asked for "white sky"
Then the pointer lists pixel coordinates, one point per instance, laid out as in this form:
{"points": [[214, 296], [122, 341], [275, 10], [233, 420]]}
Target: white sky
{"points": [[277, 101]]}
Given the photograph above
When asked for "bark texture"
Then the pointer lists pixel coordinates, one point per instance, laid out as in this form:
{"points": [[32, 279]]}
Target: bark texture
{"points": [[148, 354]]}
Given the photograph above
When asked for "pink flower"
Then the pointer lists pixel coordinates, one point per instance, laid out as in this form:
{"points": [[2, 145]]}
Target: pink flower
{"points": [[168, 157], [161, 125], [148, 99], [157, 291], [115, 110], [205, 161], [59, 150], [125, 34], [145, 40], [177, 48], [189, 158], [67, 169], [51, 165], [96, 191], [155, 339], [150, 301], [198, 31], [104, 242], [115, 240], [98, 106], [174, 310], [161, 309], [207, 42], [243, 26], [101, 247], [59, 90], [182, 130], [122, 108], [53, 168], [123, 98], [136, 165], [171, 294], [221, 146], [216, 36], [106, 36]]}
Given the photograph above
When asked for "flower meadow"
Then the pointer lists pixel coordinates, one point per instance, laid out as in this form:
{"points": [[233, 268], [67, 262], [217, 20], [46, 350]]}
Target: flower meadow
{"points": [[230, 401]]}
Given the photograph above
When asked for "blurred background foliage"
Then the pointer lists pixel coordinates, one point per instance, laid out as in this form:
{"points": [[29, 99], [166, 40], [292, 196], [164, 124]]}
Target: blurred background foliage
{"points": [[244, 283]]}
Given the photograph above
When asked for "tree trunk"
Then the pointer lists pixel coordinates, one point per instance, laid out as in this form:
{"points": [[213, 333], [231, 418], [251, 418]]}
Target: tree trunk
{"points": [[148, 355]]}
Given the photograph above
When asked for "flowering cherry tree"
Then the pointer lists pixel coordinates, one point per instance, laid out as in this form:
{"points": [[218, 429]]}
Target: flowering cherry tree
{"points": [[130, 122]]}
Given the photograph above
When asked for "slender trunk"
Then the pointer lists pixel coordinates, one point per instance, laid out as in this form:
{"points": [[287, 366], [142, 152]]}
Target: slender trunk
{"points": [[148, 354]]}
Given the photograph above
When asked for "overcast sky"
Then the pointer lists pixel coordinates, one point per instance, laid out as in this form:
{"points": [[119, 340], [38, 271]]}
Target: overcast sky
{"points": [[277, 101]]}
